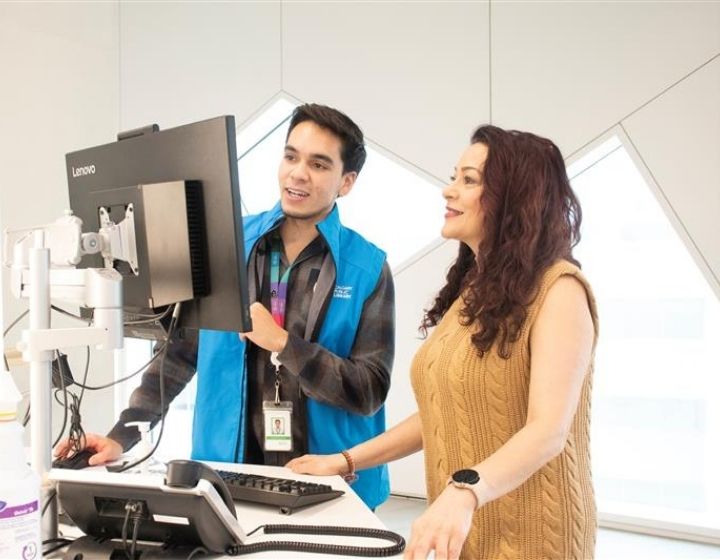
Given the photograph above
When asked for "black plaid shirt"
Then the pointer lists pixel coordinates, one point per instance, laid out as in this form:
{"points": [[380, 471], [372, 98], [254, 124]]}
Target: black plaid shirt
{"points": [[358, 383]]}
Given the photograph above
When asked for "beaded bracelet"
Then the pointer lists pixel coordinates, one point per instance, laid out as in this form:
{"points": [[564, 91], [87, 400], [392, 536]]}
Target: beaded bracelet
{"points": [[350, 476]]}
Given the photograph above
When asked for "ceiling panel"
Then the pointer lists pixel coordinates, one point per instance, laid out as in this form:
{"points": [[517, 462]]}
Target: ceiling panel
{"points": [[678, 138], [186, 61], [414, 75], [570, 70]]}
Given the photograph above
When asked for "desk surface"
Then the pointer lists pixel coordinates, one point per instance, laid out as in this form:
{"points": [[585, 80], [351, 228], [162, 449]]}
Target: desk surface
{"points": [[347, 510]]}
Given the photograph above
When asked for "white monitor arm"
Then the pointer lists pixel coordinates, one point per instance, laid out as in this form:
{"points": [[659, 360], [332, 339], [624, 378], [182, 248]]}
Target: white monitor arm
{"points": [[43, 269], [44, 259]]}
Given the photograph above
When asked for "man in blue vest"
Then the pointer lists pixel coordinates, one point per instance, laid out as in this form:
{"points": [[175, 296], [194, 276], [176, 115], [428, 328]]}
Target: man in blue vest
{"points": [[320, 353]]}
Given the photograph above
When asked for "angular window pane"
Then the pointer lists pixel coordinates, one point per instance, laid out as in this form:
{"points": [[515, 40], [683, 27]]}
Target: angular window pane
{"points": [[394, 208], [656, 403]]}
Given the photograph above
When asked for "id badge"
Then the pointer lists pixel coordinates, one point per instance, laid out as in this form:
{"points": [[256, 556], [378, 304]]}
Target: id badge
{"points": [[278, 425]]}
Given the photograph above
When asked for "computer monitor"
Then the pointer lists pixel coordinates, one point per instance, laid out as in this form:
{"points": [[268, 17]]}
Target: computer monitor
{"points": [[178, 189]]}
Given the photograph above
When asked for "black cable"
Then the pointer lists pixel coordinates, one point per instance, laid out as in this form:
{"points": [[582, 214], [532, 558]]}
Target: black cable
{"points": [[255, 530], [108, 385], [50, 498], [21, 316], [136, 530], [162, 416], [65, 415], [26, 418], [85, 374], [68, 314], [56, 539], [124, 529], [76, 433], [161, 380], [15, 322], [134, 510], [57, 547], [7, 330], [64, 404], [321, 548]]}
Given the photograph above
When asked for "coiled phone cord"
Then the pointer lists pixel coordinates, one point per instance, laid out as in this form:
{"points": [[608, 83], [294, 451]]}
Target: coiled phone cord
{"points": [[321, 548]]}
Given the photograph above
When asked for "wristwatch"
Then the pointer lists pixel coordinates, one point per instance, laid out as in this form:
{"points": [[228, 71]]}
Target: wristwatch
{"points": [[470, 480]]}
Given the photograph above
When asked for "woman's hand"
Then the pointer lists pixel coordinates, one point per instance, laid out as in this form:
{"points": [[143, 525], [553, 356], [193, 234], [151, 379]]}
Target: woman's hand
{"points": [[319, 464], [443, 527]]}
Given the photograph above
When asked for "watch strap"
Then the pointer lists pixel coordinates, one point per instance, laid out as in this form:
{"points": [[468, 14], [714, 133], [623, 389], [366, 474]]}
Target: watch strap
{"points": [[480, 490]]}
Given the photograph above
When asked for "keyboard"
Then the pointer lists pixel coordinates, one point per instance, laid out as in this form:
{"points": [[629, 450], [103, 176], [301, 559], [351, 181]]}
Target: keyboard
{"points": [[284, 493]]}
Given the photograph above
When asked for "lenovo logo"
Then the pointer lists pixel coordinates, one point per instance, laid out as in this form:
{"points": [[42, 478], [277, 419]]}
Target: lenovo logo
{"points": [[85, 170]]}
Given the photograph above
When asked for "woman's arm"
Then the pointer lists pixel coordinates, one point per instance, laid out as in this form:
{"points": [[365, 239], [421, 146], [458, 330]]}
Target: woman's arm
{"points": [[561, 344], [398, 442]]}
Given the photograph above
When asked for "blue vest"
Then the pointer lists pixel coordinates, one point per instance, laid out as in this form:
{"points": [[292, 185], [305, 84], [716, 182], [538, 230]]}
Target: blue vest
{"points": [[221, 403]]}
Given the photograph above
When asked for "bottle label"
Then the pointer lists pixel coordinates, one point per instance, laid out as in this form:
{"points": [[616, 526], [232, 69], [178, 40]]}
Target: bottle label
{"points": [[16, 511], [19, 526]]}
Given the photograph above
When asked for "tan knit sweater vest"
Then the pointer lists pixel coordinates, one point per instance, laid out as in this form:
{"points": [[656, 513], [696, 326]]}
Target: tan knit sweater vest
{"points": [[470, 406]]}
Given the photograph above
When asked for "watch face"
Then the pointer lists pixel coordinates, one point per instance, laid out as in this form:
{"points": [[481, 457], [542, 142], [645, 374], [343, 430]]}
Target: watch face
{"points": [[468, 476]]}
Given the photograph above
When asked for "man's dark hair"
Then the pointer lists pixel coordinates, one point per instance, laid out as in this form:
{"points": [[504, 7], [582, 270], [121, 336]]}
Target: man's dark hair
{"points": [[352, 149]]}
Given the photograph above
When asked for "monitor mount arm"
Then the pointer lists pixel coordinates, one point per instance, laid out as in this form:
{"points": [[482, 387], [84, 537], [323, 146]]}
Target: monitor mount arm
{"points": [[43, 269]]}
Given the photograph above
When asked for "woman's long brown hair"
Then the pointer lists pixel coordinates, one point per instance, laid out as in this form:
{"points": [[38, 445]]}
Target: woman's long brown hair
{"points": [[531, 218]]}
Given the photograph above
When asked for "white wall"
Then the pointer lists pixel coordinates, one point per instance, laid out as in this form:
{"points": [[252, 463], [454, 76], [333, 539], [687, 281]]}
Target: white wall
{"points": [[687, 116], [417, 76], [571, 70], [414, 75], [59, 93], [188, 61]]}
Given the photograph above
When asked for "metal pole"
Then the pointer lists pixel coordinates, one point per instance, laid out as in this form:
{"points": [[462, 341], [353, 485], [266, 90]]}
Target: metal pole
{"points": [[41, 381]]}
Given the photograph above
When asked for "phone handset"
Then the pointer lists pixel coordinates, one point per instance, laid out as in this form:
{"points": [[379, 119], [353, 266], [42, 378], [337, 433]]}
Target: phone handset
{"points": [[186, 474], [182, 473]]}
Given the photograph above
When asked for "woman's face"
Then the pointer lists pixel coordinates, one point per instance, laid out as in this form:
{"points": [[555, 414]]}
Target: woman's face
{"points": [[463, 215]]}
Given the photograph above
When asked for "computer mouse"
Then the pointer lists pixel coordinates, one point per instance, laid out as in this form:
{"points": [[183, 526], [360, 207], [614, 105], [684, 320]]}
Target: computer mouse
{"points": [[77, 461]]}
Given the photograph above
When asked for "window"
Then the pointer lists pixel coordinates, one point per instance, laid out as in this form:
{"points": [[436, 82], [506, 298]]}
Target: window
{"points": [[656, 403]]}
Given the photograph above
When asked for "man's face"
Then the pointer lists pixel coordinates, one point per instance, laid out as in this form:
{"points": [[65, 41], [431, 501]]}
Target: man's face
{"points": [[311, 173]]}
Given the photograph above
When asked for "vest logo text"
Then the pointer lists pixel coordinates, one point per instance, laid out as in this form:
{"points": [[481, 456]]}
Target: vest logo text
{"points": [[343, 292]]}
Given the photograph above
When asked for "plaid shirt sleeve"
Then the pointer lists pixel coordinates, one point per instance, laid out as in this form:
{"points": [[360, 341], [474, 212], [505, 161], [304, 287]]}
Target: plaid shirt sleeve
{"points": [[179, 367], [360, 382]]}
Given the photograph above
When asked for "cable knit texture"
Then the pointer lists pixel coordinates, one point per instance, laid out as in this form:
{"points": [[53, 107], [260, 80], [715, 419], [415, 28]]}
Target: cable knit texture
{"points": [[471, 405]]}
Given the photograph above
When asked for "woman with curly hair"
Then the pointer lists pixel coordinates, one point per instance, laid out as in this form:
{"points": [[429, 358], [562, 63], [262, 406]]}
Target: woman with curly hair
{"points": [[503, 380]]}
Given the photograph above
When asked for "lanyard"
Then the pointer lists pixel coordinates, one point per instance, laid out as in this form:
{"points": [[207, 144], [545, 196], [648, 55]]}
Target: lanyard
{"points": [[278, 285], [278, 299]]}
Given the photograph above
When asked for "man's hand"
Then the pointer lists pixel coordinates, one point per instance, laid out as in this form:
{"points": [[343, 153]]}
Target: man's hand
{"points": [[106, 449], [266, 333], [443, 527], [319, 464]]}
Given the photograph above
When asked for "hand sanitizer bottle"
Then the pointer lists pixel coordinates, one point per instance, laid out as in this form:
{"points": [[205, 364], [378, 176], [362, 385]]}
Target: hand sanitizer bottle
{"points": [[19, 485]]}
